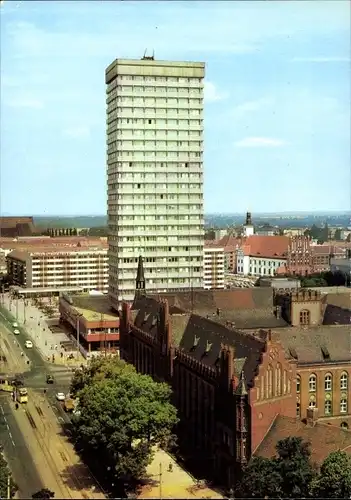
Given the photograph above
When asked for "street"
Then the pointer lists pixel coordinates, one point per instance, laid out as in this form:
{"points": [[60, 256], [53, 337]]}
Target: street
{"points": [[17, 453], [37, 426]]}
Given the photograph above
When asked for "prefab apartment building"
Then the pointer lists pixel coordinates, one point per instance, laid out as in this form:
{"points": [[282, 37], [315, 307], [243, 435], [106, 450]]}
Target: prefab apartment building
{"points": [[155, 174]]}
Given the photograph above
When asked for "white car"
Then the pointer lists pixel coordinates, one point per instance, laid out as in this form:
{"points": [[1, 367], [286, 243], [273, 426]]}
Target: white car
{"points": [[15, 325], [28, 344], [60, 396], [16, 331]]}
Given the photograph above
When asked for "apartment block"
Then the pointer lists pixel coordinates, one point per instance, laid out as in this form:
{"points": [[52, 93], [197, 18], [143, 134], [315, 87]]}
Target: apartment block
{"points": [[155, 174], [55, 267], [214, 263]]}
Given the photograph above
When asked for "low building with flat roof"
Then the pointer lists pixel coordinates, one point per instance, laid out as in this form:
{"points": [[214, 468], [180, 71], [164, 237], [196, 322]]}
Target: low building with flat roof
{"points": [[91, 318]]}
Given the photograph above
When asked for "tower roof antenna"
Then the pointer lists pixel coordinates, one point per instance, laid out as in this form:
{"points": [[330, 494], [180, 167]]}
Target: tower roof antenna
{"points": [[148, 58]]}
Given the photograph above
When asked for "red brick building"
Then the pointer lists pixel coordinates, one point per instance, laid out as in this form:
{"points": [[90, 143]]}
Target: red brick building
{"points": [[233, 386]]}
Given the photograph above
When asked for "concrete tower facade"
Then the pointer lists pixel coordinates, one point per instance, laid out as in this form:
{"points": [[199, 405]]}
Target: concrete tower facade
{"points": [[155, 174]]}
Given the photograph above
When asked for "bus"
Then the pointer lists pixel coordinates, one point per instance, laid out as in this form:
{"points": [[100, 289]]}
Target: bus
{"points": [[22, 395]]}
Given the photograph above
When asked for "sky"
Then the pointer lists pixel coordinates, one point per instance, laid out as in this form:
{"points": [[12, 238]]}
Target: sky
{"points": [[277, 99]]}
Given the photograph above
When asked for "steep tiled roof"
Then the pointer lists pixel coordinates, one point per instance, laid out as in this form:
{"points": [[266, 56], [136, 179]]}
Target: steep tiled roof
{"points": [[323, 438], [200, 337], [229, 241], [320, 344], [266, 246], [247, 308]]}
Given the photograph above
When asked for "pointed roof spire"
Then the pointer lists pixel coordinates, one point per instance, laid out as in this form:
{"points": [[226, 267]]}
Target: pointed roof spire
{"points": [[248, 219], [140, 273], [241, 390]]}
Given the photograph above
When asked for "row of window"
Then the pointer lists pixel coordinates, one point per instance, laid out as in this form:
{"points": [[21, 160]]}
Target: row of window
{"points": [[151, 101], [142, 78], [328, 407], [150, 89], [161, 260], [157, 155], [125, 143], [182, 124], [142, 112], [328, 382]]}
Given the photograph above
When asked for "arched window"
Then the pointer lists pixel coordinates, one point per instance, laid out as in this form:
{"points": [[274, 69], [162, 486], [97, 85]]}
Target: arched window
{"points": [[344, 381], [298, 384], [328, 382], [312, 383], [262, 386], [305, 316], [343, 406], [344, 425], [327, 407], [298, 410], [270, 373], [278, 380], [285, 377], [312, 403]]}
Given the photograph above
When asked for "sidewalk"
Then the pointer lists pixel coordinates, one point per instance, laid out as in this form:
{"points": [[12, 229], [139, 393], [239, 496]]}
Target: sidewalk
{"points": [[35, 324]]}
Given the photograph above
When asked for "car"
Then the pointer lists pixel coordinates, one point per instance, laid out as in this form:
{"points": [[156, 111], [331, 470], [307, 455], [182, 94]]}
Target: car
{"points": [[15, 325], [28, 344], [16, 331], [49, 379], [60, 396]]}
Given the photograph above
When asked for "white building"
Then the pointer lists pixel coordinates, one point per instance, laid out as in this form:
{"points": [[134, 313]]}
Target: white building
{"points": [[49, 267], [249, 229], [262, 255], [155, 174], [213, 267]]}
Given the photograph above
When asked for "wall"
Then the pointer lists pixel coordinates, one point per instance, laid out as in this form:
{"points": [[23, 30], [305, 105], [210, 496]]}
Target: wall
{"points": [[305, 394], [313, 306], [266, 403]]}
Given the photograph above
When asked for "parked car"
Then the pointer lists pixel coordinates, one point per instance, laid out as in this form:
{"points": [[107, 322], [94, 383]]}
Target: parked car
{"points": [[60, 396], [28, 344], [16, 331], [49, 379], [15, 325]]}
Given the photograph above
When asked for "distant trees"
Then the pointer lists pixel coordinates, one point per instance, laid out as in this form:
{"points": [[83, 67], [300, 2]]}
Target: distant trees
{"points": [[321, 234], [291, 474], [326, 278], [122, 415]]}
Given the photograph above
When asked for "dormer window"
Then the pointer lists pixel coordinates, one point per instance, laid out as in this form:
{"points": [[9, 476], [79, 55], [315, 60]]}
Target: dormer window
{"points": [[208, 347], [154, 322], [195, 343]]}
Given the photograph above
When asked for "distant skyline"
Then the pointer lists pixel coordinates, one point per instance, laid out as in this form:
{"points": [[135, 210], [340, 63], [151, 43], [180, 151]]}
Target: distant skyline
{"points": [[277, 107]]}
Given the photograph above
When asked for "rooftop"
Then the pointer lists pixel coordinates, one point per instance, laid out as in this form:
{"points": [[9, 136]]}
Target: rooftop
{"points": [[316, 344], [24, 252], [323, 438], [93, 307], [200, 337], [266, 246]]}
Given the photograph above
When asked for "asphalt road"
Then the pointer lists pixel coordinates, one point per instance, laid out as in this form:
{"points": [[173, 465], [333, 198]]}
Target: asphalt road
{"points": [[16, 452]]}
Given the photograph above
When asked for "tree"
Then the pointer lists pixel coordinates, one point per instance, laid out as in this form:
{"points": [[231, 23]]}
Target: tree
{"points": [[5, 474], [44, 493], [122, 416], [287, 475], [98, 369], [260, 480], [334, 480], [337, 235]]}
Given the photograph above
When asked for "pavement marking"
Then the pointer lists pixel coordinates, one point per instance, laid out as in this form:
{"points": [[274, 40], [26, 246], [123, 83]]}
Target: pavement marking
{"points": [[7, 425], [2, 410]]}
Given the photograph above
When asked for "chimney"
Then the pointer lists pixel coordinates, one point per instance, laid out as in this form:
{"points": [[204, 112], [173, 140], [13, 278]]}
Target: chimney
{"points": [[312, 417]]}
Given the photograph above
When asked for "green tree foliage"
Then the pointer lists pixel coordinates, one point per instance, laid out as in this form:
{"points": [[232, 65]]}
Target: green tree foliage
{"points": [[337, 235], [44, 493], [122, 416], [287, 475], [98, 231], [4, 475], [98, 369], [334, 480]]}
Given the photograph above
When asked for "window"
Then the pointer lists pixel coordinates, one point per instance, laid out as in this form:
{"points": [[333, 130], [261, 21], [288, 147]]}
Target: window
{"points": [[344, 381], [312, 383], [328, 382], [312, 403], [327, 407], [298, 410], [343, 406], [304, 317], [298, 384]]}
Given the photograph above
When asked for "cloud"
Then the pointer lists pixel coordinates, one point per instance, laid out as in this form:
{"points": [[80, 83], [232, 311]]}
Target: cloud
{"points": [[255, 105], [25, 102], [212, 94], [259, 142], [321, 59], [77, 132]]}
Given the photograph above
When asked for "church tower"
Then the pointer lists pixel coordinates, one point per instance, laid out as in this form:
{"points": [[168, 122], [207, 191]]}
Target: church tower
{"points": [[248, 226], [140, 279]]}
